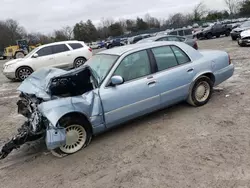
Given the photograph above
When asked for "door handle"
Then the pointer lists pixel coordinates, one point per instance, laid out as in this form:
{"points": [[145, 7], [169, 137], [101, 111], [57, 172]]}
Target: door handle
{"points": [[190, 70], [152, 82]]}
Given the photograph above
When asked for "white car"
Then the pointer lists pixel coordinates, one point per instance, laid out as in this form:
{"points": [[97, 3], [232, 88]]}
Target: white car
{"points": [[65, 55]]}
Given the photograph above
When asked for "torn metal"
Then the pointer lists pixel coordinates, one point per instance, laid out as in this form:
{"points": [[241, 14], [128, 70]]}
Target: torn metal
{"points": [[49, 94]]}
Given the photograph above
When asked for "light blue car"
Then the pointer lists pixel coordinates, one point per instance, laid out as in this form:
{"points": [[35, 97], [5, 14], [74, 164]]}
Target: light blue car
{"points": [[115, 86]]}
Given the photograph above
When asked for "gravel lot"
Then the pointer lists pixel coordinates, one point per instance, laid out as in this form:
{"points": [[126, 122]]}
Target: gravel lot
{"points": [[180, 146]]}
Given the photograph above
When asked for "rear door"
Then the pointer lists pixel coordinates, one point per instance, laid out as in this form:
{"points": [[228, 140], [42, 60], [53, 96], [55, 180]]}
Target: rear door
{"points": [[63, 56], [45, 58], [174, 75]]}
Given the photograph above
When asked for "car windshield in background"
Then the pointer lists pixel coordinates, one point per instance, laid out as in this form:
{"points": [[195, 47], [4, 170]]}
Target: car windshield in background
{"points": [[245, 24], [145, 41], [31, 53], [101, 64]]}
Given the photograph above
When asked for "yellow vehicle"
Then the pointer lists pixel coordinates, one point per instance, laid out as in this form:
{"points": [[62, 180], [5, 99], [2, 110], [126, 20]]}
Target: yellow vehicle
{"points": [[18, 51]]}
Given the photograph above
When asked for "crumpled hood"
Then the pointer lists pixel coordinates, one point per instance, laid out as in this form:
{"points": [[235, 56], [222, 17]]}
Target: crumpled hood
{"points": [[37, 82]]}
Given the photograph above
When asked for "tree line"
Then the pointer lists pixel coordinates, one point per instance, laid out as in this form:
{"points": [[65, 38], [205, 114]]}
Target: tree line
{"points": [[11, 30]]}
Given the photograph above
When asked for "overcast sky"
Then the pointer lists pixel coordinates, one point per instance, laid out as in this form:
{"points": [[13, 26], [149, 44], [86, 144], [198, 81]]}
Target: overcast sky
{"points": [[46, 15]]}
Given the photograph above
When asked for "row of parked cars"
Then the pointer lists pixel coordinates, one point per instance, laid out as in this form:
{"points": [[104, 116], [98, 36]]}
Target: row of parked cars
{"points": [[68, 108]]}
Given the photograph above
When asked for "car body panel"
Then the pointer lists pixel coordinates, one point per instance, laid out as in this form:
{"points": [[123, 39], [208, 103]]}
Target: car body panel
{"points": [[108, 106]]}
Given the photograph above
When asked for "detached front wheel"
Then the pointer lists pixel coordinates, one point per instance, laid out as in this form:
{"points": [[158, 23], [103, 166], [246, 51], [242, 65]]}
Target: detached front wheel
{"points": [[201, 91], [78, 135]]}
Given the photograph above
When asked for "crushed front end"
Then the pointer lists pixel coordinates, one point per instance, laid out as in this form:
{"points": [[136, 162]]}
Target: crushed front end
{"points": [[32, 129]]}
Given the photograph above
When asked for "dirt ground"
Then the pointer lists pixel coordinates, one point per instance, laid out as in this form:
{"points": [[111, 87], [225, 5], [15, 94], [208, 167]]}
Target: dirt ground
{"points": [[181, 146]]}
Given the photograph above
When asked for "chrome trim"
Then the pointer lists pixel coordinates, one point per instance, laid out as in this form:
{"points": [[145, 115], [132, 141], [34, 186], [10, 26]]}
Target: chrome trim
{"points": [[136, 103]]}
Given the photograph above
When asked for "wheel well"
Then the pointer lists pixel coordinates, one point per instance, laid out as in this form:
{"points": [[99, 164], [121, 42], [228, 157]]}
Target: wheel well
{"points": [[211, 76], [23, 67], [80, 57], [77, 115]]}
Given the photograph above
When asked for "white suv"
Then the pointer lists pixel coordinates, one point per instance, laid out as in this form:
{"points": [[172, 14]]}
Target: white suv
{"points": [[65, 55]]}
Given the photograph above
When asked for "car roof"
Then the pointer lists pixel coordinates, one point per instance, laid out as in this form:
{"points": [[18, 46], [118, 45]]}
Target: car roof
{"points": [[136, 47], [61, 42]]}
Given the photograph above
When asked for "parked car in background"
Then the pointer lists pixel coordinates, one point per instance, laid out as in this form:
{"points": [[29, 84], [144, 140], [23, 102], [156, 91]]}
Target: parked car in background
{"points": [[187, 32], [114, 86], [101, 44], [65, 55], [244, 39], [190, 42], [94, 45], [137, 38], [235, 33], [216, 30], [114, 43]]}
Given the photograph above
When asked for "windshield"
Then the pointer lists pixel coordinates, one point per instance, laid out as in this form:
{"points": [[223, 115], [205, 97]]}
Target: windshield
{"points": [[101, 64], [144, 41], [31, 53], [245, 24]]}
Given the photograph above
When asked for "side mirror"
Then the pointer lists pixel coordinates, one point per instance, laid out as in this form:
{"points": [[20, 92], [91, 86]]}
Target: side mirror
{"points": [[116, 80], [35, 55]]}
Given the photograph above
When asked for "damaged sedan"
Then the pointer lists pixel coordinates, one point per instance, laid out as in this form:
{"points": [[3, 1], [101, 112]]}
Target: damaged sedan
{"points": [[66, 108]]}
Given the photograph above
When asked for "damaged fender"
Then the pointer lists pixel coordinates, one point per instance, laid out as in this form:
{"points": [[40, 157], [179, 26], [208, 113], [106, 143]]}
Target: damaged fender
{"points": [[88, 104]]}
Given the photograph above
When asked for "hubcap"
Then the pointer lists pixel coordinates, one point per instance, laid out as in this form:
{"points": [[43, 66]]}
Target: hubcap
{"points": [[202, 92], [75, 139], [24, 73], [79, 62]]}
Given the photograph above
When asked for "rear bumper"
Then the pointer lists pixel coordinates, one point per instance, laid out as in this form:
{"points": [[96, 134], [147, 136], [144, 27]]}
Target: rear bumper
{"points": [[223, 74]]}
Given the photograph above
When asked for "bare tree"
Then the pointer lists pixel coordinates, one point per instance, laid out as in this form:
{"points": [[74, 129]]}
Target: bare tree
{"points": [[199, 11], [68, 32], [233, 6]]}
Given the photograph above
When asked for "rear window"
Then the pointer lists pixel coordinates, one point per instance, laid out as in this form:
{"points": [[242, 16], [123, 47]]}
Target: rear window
{"points": [[75, 45]]}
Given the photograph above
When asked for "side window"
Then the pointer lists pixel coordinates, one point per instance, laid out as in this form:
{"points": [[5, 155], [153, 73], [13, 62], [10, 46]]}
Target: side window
{"points": [[187, 32], [181, 56], [181, 33], [59, 48], [164, 57], [75, 45], [173, 33], [44, 51], [134, 66]]}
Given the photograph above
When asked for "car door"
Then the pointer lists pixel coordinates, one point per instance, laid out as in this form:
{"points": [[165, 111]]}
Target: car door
{"points": [[45, 58], [63, 56], [174, 75], [136, 96]]}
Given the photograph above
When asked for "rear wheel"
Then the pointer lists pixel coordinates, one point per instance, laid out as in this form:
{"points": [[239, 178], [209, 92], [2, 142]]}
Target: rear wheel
{"points": [[23, 72], [78, 135], [79, 62], [19, 55], [201, 91]]}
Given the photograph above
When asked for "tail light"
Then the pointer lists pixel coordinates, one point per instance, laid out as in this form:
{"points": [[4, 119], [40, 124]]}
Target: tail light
{"points": [[195, 46], [229, 60], [90, 49]]}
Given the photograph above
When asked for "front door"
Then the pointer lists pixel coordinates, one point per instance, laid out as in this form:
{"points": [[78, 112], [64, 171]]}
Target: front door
{"points": [[175, 74], [136, 96], [45, 58]]}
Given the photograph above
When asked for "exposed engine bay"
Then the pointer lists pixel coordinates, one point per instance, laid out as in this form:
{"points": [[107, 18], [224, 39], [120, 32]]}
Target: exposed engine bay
{"points": [[71, 83]]}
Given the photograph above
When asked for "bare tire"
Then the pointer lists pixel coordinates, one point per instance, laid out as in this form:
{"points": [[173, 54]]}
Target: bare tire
{"points": [[23, 72], [201, 91], [19, 55], [78, 135], [79, 62]]}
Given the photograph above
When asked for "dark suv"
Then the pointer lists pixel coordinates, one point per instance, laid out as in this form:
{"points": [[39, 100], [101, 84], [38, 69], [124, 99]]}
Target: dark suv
{"points": [[214, 31]]}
